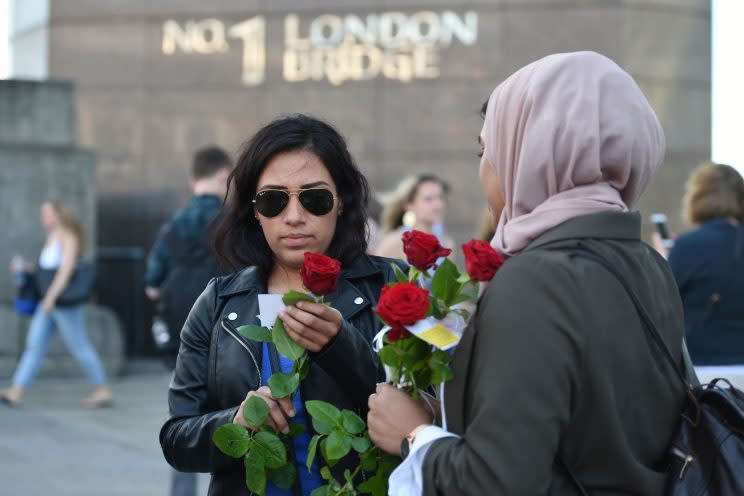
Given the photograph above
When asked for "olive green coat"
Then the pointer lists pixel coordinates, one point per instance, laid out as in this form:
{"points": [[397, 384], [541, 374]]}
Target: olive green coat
{"points": [[556, 363]]}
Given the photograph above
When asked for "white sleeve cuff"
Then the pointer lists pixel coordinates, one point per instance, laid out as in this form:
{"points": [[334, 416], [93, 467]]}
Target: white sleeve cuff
{"points": [[407, 479]]}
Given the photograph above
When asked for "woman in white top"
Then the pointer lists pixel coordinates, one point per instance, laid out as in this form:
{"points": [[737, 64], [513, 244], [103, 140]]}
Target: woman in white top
{"points": [[419, 203], [65, 241]]}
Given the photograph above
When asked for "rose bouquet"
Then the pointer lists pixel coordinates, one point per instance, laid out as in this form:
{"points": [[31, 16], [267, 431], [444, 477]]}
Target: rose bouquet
{"points": [[422, 324]]}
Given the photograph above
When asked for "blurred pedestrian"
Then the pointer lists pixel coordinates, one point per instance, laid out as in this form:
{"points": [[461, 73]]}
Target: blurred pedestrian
{"points": [[418, 203], [61, 256], [182, 262], [708, 265]]}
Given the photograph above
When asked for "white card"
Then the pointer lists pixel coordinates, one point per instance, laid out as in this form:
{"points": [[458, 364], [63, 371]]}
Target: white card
{"points": [[269, 306]]}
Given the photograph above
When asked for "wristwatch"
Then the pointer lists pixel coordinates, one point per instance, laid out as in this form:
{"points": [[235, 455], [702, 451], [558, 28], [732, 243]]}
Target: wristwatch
{"points": [[407, 443]]}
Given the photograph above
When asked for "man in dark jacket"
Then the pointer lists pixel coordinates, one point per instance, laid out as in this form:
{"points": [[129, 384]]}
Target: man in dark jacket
{"points": [[181, 261]]}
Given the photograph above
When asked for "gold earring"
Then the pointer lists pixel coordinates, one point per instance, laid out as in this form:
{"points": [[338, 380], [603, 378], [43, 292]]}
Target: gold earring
{"points": [[409, 219]]}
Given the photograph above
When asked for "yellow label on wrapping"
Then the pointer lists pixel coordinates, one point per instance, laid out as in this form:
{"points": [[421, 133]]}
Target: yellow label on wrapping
{"points": [[439, 336]]}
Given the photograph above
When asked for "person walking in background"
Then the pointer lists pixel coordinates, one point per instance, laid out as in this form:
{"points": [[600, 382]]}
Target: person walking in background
{"points": [[419, 203], [182, 262], [62, 251], [555, 369], [708, 265]]}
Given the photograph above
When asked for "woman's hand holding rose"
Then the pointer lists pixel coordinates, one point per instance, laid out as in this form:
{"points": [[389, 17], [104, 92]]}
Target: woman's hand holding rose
{"points": [[279, 410]]}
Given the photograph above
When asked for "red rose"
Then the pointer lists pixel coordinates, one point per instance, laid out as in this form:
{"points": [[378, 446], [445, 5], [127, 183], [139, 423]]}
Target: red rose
{"points": [[320, 273], [394, 335], [481, 260], [423, 250], [401, 305]]}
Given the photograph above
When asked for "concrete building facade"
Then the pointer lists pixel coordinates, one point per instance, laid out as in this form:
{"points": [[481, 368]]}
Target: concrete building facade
{"points": [[403, 80]]}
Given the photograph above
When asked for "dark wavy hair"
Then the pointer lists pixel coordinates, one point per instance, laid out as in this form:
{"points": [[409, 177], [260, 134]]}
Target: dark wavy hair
{"points": [[239, 240]]}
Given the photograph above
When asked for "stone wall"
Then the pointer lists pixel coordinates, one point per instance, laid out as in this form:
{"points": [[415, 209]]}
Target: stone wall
{"points": [[40, 161]]}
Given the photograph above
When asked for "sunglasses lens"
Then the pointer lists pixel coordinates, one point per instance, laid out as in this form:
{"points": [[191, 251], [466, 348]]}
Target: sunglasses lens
{"points": [[270, 203], [317, 201]]}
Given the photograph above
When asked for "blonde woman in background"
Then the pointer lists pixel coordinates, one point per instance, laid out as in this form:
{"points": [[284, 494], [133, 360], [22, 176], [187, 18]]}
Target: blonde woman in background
{"points": [[64, 243], [417, 203], [708, 265]]}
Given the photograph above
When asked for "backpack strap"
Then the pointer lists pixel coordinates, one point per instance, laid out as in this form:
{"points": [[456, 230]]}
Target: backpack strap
{"points": [[689, 369]]}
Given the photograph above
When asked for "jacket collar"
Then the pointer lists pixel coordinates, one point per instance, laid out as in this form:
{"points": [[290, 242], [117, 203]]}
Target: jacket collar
{"points": [[247, 280], [362, 266], [244, 281], [604, 225]]}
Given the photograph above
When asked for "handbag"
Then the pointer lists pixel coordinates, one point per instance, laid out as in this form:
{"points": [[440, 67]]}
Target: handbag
{"points": [[79, 287], [706, 455]]}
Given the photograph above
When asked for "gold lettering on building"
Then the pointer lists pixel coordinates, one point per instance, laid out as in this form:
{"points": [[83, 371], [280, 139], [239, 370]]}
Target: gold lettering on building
{"points": [[203, 37], [253, 34], [334, 48]]}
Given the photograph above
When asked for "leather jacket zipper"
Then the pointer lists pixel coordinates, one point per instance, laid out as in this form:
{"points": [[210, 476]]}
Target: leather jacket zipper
{"points": [[234, 334]]}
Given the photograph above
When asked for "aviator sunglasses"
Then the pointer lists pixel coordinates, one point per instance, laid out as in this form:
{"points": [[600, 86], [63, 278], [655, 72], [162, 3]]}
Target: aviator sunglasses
{"points": [[271, 202]]}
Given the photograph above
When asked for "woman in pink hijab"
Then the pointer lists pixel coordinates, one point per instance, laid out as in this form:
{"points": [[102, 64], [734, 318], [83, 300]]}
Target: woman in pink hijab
{"points": [[556, 383]]}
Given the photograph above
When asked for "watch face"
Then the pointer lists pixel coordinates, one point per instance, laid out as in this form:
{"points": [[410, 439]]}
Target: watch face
{"points": [[405, 448]]}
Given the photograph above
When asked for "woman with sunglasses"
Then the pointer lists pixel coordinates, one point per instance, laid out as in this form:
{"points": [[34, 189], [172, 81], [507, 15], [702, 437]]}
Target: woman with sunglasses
{"points": [[295, 189]]}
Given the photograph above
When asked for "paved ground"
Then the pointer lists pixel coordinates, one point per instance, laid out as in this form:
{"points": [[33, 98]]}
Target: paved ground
{"points": [[52, 445]]}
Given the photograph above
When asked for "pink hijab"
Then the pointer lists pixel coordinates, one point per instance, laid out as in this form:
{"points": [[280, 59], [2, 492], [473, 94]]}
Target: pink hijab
{"points": [[568, 135]]}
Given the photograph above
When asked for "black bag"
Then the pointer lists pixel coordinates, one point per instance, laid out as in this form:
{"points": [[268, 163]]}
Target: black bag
{"points": [[79, 287], [706, 455]]}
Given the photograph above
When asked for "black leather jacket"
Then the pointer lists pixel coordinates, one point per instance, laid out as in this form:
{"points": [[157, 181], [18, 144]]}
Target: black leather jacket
{"points": [[217, 367]]}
